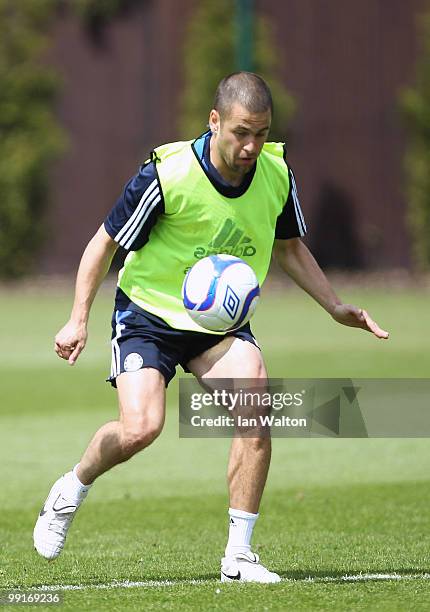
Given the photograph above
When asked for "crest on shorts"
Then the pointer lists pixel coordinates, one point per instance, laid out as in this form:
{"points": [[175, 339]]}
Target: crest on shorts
{"points": [[133, 362]]}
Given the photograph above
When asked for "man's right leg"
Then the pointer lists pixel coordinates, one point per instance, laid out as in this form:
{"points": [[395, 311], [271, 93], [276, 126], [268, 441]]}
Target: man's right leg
{"points": [[141, 397]]}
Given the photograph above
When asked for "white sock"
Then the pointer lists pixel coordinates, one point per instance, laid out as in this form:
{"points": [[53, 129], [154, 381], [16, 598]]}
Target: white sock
{"points": [[241, 524], [73, 488]]}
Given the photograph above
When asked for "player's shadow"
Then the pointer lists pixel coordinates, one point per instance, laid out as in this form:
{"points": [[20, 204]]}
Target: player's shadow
{"points": [[334, 238]]}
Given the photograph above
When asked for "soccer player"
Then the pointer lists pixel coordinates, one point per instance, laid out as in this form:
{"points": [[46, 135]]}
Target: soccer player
{"points": [[228, 191]]}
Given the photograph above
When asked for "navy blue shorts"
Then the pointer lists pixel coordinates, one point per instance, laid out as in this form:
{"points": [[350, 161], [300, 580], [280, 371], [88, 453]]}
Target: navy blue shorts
{"points": [[143, 340]]}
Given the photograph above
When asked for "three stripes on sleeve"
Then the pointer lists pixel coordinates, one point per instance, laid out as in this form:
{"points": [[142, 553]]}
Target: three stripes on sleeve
{"points": [[135, 213]]}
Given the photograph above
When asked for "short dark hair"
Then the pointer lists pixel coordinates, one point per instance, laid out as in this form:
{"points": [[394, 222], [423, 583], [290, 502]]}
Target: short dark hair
{"points": [[245, 88]]}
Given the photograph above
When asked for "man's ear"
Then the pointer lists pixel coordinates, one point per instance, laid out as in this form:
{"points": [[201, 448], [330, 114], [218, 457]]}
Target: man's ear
{"points": [[214, 121]]}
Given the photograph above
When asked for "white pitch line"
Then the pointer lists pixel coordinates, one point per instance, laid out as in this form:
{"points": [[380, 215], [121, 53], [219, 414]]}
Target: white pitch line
{"points": [[128, 584], [365, 577]]}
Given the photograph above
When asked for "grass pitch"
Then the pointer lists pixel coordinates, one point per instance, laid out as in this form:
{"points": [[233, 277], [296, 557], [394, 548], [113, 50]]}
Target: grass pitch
{"points": [[345, 522]]}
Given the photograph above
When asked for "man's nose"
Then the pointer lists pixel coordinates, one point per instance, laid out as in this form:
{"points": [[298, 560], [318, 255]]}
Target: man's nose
{"points": [[251, 146]]}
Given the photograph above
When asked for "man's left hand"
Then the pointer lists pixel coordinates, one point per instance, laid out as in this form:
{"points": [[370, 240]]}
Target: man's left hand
{"points": [[350, 315]]}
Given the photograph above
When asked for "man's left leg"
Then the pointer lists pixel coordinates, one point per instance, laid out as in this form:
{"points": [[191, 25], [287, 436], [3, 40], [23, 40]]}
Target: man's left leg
{"points": [[248, 463]]}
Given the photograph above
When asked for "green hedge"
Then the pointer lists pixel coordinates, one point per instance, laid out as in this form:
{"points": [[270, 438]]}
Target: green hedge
{"points": [[416, 106], [30, 137]]}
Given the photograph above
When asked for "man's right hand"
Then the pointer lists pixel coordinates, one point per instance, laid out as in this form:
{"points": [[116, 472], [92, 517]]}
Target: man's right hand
{"points": [[70, 341]]}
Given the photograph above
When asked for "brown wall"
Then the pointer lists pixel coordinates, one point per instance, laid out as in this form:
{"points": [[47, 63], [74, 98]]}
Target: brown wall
{"points": [[345, 61], [118, 102]]}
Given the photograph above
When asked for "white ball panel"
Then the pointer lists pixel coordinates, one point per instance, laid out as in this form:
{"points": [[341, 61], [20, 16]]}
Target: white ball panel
{"points": [[199, 280], [234, 285]]}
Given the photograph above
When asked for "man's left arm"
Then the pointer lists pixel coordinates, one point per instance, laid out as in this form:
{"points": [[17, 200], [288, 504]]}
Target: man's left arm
{"points": [[298, 262]]}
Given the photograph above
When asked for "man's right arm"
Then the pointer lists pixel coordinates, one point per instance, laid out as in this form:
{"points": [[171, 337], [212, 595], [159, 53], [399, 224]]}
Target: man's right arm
{"points": [[95, 263]]}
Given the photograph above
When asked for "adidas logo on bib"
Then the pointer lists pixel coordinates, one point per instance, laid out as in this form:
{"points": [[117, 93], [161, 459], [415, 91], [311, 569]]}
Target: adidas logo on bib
{"points": [[230, 240]]}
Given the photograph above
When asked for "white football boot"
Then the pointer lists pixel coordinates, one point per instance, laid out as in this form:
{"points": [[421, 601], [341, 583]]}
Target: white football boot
{"points": [[53, 522], [246, 567]]}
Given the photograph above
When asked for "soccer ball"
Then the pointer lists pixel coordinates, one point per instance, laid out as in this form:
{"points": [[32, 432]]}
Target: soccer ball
{"points": [[220, 292]]}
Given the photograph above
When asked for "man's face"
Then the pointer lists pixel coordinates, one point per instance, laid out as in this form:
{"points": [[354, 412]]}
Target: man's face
{"points": [[238, 138]]}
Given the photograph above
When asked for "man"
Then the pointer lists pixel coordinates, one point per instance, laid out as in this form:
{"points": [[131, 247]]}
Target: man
{"points": [[228, 191]]}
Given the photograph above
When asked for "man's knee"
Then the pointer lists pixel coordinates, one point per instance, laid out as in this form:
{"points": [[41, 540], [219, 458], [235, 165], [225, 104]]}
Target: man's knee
{"points": [[256, 441], [139, 434]]}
